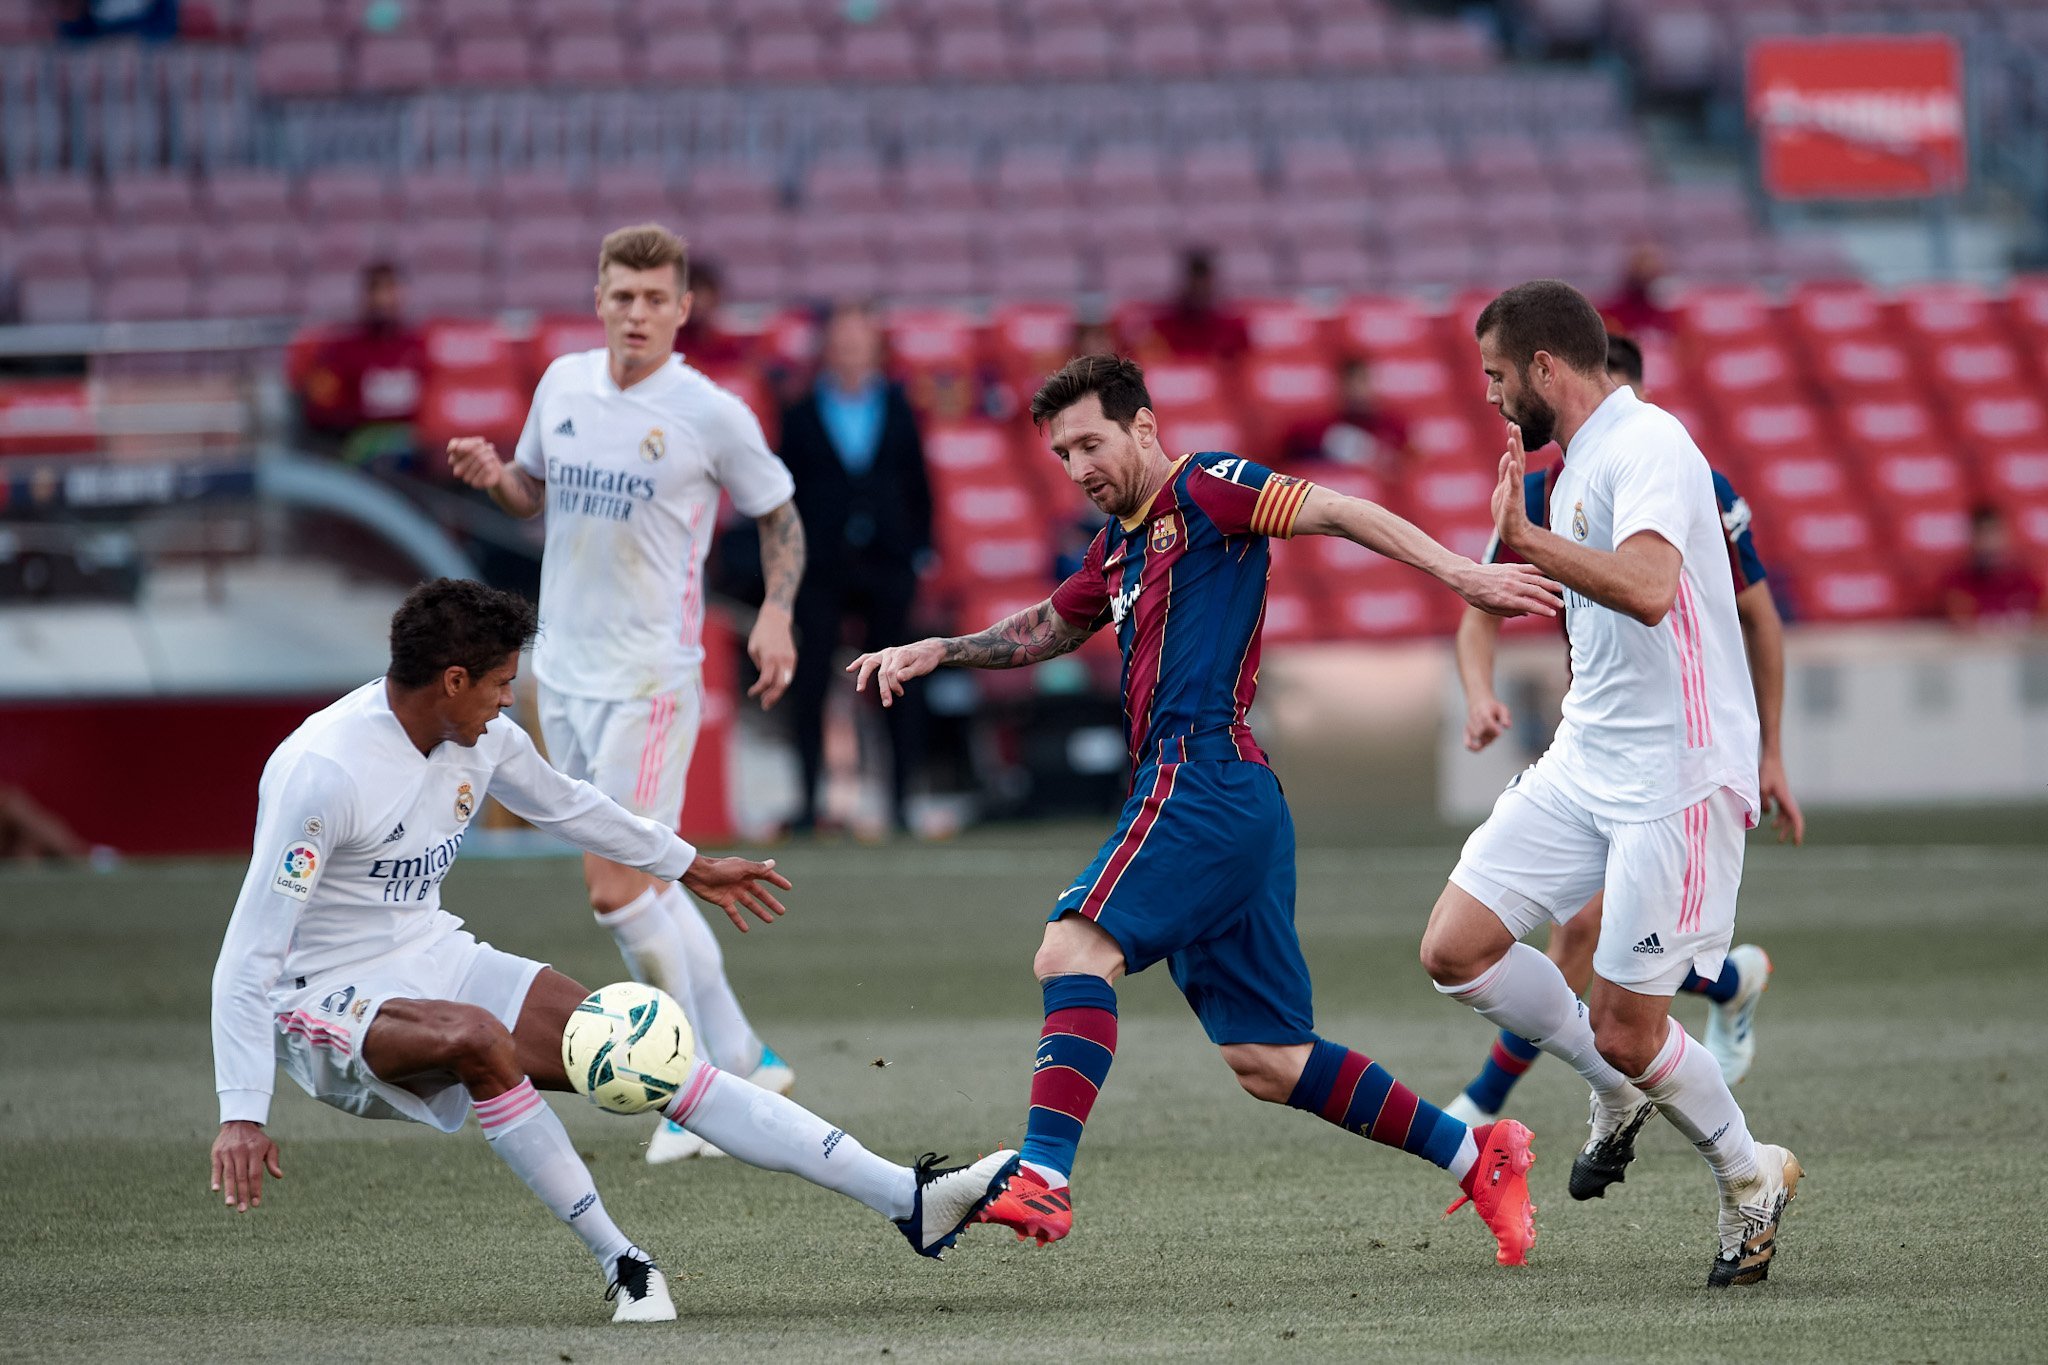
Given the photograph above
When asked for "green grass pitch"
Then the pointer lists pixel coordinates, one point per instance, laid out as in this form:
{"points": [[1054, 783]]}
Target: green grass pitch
{"points": [[1902, 1059]]}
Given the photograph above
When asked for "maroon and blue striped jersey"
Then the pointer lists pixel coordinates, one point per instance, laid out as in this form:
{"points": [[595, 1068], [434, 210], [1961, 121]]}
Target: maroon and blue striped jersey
{"points": [[1184, 585]]}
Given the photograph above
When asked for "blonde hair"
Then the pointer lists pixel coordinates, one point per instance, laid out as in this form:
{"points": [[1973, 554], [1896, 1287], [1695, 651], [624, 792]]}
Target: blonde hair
{"points": [[647, 246]]}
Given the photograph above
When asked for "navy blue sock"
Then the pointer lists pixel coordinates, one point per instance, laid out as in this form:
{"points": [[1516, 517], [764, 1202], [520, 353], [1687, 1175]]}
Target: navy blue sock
{"points": [[1074, 1053], [1721, 989], [1360, 1096], [1511, 1057]]}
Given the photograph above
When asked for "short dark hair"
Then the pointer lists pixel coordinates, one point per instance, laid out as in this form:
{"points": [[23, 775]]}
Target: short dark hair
{"points": [[1624, 357], [1116, 380], [456, 623], [1546, 315]]}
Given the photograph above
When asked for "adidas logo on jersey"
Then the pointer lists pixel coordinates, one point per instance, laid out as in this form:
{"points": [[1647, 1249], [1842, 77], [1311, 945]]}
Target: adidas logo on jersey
{"points": [[395, 835], [568, 428], [1650, 945]]}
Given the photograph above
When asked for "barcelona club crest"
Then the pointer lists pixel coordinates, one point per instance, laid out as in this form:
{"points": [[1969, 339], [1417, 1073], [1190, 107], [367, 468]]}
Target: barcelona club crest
{"points": [[653, 446], [1165, 533], [1579, 528], [465, 802]]}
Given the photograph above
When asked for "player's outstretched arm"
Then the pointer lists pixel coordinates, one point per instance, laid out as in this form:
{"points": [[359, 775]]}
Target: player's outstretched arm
{"points": [[477, 463], [1763, 639], [1486, 716], [1031, 636], [1502, 589], [770, 644], [1638, 578]]}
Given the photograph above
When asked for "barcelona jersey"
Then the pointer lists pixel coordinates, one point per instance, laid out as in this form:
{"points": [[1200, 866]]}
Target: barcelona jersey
{"points": [[1183, 583]]}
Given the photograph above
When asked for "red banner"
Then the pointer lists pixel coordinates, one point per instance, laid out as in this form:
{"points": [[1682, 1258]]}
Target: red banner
{"points": [[1858, 118]]}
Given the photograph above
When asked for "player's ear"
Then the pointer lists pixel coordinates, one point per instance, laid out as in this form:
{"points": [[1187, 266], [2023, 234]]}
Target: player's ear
{"points": [[454, 679], [1145, 426]]}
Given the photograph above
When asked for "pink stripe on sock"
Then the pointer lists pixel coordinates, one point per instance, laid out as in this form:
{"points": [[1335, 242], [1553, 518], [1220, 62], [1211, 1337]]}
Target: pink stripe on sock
{"points": [[1480, 983], [1663, 1072], [500, 1110], [683, 1105]]}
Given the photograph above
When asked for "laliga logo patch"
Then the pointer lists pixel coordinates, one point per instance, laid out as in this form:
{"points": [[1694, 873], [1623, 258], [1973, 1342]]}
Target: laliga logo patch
{"points": [[297, 871], [1579, 528], [1165, 533], [653, 446], [465, 802]]}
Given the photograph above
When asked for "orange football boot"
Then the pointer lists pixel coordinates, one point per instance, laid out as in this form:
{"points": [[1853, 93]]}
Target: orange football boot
{"points": [[1029, 1207], [1497, 1187]]}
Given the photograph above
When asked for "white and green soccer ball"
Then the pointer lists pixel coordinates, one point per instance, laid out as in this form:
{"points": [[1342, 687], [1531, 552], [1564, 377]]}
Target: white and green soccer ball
{"points": [[628, 1048]]}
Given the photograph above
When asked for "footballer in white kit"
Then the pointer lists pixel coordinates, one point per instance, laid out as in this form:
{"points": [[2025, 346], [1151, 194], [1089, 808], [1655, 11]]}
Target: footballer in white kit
{"points": [[340, 964], [1650, 784], [628, 449]]}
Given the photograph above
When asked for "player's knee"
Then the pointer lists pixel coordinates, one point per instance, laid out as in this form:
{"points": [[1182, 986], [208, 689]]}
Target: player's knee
{"points": [[1624, 1047], [1259, 1071], [478, 1047], [1448, 962]]}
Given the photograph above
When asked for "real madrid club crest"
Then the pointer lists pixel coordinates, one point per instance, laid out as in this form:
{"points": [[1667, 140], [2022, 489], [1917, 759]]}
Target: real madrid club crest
{"points": [[653, 445], [1165, 533], [1579, 528], [465, 802]]}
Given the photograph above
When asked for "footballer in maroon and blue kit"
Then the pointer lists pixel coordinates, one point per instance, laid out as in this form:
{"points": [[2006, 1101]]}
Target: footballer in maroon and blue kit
{"points": [[1199, 872]]}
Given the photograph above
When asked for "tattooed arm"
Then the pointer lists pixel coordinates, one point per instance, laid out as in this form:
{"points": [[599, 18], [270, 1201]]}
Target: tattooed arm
{"points": [[771, 645], [1031, 636]]}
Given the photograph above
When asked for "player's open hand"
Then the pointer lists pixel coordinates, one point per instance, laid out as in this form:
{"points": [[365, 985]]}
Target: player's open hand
{"points": [[1485, 722], [738, 886], [1510, 508], [241, 1154], [893, 667], [1775, 794], [1510, 590], [773, 649], [475, 461]]}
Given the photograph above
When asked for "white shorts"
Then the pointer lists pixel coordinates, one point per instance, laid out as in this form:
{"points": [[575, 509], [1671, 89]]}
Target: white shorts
{"points": [[321, 1025], [635, 752], [1670, 883]]}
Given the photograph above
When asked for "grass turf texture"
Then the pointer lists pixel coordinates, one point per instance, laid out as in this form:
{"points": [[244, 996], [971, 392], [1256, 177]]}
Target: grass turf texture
{"points": [[1901, 1060]]}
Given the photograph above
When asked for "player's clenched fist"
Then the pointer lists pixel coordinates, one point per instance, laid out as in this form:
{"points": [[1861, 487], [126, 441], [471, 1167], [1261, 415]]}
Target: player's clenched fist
{"points": [[1485, 722], [895, 666], [475, 461]]}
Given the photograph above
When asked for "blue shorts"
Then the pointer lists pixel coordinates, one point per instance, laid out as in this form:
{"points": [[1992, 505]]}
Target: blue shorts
{"points": [[1200, 874]]}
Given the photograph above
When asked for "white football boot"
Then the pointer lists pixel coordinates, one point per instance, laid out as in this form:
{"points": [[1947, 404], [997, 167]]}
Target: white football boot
{"points": [[1749, 1219], [948, 1198], [673, 1142], [641, 1290], [1731, 1037]]}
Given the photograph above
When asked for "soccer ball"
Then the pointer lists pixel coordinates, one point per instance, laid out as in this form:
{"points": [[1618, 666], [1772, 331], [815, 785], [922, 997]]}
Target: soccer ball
{"points": [[628, 1048]]}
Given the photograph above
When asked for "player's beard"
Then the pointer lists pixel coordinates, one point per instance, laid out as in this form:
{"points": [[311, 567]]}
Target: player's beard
{"points": [[1534, 415]]}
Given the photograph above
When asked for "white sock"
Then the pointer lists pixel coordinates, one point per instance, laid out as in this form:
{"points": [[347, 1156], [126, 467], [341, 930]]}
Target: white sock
{"points": [[722, 1028], [764, 1129], [1526, 994], [1467, 1157], [528, 1137], [652, 948], [1686, 1083], [1054, 1179]]}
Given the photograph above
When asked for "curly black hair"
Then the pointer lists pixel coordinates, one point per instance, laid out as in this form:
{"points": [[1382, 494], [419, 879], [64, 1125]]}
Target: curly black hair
{"points": [[456, 623], [1115, 380]]}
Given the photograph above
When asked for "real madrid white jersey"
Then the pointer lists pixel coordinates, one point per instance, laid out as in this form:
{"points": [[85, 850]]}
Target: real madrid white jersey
{"points": [[633, 477], [355, 830], [1657, 716]]}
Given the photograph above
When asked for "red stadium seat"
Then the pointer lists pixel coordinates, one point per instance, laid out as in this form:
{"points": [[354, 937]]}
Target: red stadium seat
{"points": [[472, 348], [1385, 326], [299, 67], [1453, 438], [1792, 479], [1862, 366], [2030, 530], [972, 54], [244, 197], [251, 293], [1351, 44], [1724, 315], [1452, 491], [2015, 415], [1888, 423], [1947, 312], [2017, 472], [1913, 474], [1837, 310], [933, 340], [1836, 531], [1416, 384], [451, 407], [689, 55], [561, 335], [589, 61], [1286, 392], [1393, 610], [1756, 371], [1762, 430], [1168, 50], [882, 53], [1292, 616], [1861, 590], [2028, 309], [791, 56], [1285, 329], [1177, 385], [1978, 362], [393, 63], [490, 59]]}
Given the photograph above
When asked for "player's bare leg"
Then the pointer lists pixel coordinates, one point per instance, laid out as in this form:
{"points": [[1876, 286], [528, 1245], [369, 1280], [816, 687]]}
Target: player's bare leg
{"points": [[416, 1039], [666, 942], [1571, 948]]}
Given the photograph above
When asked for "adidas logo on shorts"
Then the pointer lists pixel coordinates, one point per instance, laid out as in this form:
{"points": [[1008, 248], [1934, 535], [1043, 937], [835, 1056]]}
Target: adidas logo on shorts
{"points": [[1650, 945], [568, 428]]}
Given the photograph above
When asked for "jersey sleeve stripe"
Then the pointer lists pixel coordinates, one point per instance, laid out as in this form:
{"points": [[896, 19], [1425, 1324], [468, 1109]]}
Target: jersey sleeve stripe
{"points": [[1278, 505]]}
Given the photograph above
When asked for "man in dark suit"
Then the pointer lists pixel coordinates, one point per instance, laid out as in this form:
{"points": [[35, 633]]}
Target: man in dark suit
{"points": [[852, 443]]}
